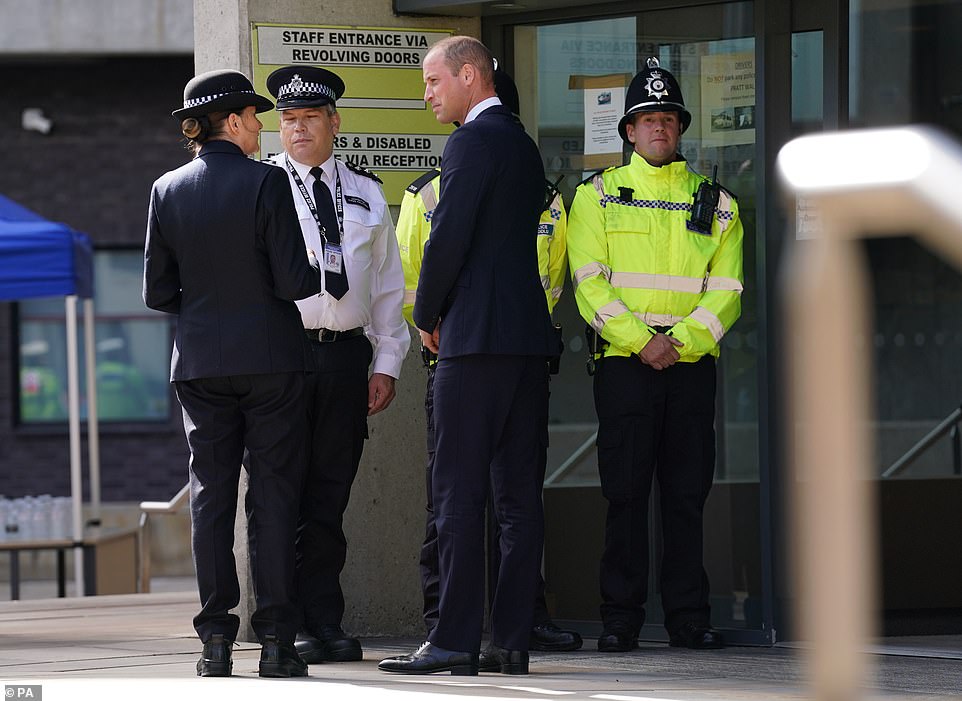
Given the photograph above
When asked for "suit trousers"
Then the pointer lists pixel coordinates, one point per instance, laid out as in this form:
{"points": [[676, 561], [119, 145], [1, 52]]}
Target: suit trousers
{"points": [[490, 424], [430, 578], [337, 422], [655, 422], [223, 415]]}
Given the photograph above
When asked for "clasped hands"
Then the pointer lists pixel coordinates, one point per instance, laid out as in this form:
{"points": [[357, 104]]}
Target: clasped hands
{"points": [[660, 353]]}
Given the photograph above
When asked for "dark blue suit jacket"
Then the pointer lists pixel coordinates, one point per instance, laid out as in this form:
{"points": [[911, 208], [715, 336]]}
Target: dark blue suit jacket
{"points": [[479, 275], [225, 253]]}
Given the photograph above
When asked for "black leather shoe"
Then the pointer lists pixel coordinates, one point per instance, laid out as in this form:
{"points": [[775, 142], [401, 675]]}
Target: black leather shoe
{"points": [[328, 644], [547, 637], [215, 659], [429, 659], [280, 660], [498, 659], [617, 637], [697, 637]]}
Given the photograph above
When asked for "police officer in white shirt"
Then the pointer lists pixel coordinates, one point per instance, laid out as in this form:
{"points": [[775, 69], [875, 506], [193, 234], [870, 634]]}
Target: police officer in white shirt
{"points": [[354, 324]]}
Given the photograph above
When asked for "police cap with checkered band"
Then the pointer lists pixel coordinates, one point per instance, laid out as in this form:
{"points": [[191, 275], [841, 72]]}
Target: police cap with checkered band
{"points": [[654, 90], [220, 91], [304, 86]]}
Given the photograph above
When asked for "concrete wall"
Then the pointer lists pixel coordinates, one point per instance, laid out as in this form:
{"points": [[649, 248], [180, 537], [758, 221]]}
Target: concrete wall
{"points": [[222, 27], [385, 519], [95, 27]]}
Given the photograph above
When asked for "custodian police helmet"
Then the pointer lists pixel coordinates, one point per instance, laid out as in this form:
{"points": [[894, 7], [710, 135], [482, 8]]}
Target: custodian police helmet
{"points": [[507, 91], [304, 86], [654, 90], [219, 91]]}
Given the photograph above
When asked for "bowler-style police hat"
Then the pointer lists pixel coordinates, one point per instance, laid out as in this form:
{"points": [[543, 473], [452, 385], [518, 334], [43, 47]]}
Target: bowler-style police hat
{"points": [[654, 90], [304, 86], [507, 91], [219, 91]]}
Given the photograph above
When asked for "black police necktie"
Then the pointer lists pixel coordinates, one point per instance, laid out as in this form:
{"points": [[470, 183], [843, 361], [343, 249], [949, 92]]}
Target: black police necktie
{"points": [[335, 283]]}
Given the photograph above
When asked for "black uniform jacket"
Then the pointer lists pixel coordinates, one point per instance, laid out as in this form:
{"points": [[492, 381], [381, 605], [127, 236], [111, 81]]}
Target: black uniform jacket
{"points": [[479, 275], [224, 252]]}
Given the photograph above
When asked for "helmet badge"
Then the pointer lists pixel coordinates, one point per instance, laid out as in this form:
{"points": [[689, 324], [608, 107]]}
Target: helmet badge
{"points": [[656, 85]]}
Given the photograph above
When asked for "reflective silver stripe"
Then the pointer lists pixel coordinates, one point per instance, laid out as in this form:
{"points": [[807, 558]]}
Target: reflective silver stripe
{"points": [[648, 281], [545, 282], [590, 270], [430, 197], [659, 319], [410, 296], [556, 292], [723, 284], [609, 311], [711, 321]]}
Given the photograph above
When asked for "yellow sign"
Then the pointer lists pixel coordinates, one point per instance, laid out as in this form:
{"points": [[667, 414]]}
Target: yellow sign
{"points": [[386, 126]]}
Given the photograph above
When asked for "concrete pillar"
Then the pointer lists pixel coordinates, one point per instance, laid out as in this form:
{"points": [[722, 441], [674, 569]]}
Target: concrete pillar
{"points": [[243, 562], [384, 523]]}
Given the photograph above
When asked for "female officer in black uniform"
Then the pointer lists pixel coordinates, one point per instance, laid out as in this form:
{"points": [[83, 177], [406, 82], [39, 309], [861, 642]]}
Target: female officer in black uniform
{"points": [[225, 254]]}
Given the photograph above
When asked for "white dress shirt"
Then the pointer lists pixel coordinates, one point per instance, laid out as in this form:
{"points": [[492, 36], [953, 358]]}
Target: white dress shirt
{"points": [[371, 259], [481, 107]]}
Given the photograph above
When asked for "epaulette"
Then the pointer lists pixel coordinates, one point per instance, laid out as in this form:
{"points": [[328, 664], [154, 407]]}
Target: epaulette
{"points": [[729, 192], [551, 191], [422, 180], [597, 172], [362, 171]]}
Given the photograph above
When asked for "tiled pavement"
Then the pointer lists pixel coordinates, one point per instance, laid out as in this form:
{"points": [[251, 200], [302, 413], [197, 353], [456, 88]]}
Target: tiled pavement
{"points": [[142, 647]]}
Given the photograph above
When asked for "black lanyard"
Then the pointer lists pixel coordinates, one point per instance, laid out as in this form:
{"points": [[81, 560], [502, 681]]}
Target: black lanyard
{"points": [[338, 200]]}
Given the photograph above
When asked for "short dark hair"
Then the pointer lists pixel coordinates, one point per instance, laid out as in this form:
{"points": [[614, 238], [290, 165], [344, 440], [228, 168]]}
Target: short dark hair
{"points": [[461, 50]]}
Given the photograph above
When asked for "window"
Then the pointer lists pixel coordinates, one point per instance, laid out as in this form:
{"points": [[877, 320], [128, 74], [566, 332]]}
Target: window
{"points": [[132, 345]]}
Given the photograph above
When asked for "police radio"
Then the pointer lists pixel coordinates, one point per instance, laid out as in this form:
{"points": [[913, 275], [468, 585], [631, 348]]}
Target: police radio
{"points": [[706, 200]]}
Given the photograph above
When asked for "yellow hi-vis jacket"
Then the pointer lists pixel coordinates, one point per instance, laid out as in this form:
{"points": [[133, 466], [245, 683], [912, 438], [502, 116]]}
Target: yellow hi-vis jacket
{"points": [[636, 263], [414, 228]]}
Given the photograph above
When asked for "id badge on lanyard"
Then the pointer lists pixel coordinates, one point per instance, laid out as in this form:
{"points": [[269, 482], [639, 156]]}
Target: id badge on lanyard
{"points": [[333, 257]]}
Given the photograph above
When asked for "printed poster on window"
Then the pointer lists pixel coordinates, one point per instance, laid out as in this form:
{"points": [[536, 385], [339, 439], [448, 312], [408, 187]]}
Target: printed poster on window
{"points": [[604, 100], [728, 98], [386, 126]]}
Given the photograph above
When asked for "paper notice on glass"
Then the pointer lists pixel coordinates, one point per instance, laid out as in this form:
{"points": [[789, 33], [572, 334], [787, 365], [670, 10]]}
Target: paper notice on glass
{"points": [[603, 110], [808, 222], [604, 97], [728, 99]]}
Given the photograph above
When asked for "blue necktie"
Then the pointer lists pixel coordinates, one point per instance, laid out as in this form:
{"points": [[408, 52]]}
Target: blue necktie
{"points": [[334, 283]]}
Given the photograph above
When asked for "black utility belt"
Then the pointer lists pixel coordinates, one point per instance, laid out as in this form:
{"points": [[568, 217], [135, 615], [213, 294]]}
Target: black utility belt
{"points": [[329, 336]]}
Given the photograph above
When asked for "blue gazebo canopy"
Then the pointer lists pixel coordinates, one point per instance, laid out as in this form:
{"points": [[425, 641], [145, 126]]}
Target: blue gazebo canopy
{"points": [[40, 258]]}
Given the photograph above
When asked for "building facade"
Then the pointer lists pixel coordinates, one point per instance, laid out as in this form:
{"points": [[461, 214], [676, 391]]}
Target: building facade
{"points": [[755, 74]]}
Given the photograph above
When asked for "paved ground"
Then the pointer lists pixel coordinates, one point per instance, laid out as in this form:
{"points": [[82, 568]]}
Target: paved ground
{"points": [[142, 647]]}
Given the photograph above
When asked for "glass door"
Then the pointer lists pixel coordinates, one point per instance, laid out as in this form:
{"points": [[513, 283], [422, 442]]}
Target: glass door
{"points": [[711, 50]]}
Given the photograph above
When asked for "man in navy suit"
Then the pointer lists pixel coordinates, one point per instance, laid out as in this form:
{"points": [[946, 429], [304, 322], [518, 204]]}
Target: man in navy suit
{"points": [[480, 305]]}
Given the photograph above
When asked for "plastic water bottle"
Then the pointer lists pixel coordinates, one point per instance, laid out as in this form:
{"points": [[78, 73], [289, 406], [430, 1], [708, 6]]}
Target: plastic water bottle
{"points": [[61, 520], [40, 516], [4, 510], [14, 525]]}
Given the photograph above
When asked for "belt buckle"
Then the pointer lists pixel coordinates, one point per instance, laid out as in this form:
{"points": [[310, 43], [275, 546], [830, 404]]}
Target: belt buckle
{"points": [[327, 335]]}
